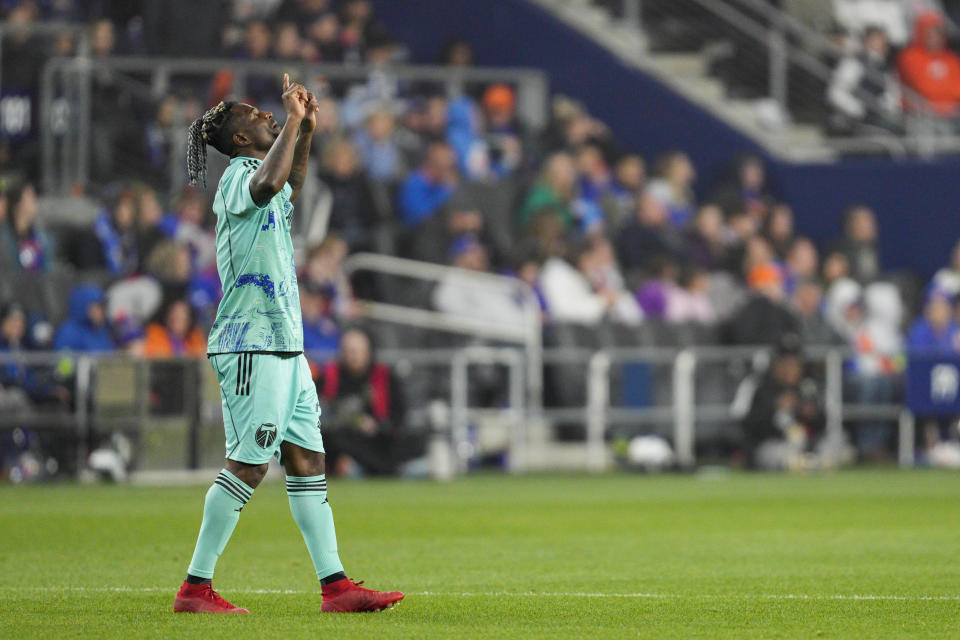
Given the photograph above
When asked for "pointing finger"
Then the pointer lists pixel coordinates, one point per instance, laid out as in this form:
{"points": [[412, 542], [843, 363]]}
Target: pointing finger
{"points": [[286, 82]]}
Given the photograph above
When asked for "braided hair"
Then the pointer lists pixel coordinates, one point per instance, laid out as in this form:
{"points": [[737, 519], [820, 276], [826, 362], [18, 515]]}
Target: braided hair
{"points": [[210, 128]]}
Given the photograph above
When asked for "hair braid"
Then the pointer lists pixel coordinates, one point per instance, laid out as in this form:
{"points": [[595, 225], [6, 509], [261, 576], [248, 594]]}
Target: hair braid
{"points": [[196, 154], [203, 131]]}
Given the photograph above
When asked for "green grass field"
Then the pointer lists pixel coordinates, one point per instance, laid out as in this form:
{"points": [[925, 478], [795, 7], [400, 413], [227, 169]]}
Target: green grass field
{"points": [[866, 554]]}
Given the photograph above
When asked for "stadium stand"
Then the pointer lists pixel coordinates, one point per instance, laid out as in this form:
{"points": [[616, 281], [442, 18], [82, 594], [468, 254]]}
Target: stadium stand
{"points": [[622, 251]]}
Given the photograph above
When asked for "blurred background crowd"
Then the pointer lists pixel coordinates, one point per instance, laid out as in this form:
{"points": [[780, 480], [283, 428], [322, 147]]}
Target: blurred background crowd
{"points": [[612, 241]]}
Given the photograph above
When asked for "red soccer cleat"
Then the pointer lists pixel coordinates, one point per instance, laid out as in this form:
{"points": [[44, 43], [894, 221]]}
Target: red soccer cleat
{"points": [[347, 596], [201, 598]]}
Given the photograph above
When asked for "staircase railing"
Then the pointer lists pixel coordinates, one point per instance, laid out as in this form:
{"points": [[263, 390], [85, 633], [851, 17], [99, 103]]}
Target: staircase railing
{"points": [[790, 46]]}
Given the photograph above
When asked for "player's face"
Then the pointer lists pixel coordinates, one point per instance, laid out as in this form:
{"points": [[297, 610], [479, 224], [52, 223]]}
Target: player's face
{"points": [[259, 127]]}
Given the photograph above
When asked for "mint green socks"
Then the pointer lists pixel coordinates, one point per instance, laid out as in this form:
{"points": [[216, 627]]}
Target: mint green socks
{"points": [[312, 513], [308, 504], [221, 511]]}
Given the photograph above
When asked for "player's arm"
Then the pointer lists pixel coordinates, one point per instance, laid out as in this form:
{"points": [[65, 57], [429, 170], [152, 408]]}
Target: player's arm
{"points": [[301, 151], [272, 174]]}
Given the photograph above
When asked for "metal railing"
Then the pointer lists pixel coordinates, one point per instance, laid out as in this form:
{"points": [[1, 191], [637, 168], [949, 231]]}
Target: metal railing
{"points": [[516, 411], [93, 398], [683, 414], [17, 107], [528, 334], [67, 81], [44, 29], [684, 410], [792, 48]]}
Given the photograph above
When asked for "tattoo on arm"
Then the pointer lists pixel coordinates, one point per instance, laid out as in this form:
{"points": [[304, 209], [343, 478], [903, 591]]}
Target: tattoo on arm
{"points": [[298, 172], [269, 177]]}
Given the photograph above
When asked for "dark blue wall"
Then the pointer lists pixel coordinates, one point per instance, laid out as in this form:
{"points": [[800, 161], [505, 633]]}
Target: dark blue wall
{"points": [[917, 202]]}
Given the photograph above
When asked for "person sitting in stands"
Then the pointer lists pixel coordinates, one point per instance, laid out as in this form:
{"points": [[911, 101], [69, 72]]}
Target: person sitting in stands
{"points": [[427, 189], [321, 330], [556, 191], [86, 326], [588, 287], [116, 230], [460, 294], [936, 331], [346, 194], [376, 144], [703, 242], [21, 384], [746, 189], [860, 243], [363, 412], [806, 300], [864, 93], [671, 187], [765, 318], [929, 68], [27, 247], [174, 334]]}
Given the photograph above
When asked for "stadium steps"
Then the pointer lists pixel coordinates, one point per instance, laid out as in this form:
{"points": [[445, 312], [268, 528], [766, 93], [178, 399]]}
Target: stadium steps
{"points": [[687, 75]]}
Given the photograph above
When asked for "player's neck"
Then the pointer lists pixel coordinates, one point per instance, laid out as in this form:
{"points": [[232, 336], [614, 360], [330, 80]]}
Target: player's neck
{"points": [[250, 153]]}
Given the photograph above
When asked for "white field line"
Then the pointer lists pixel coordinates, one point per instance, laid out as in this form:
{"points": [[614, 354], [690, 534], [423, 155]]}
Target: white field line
{"points": [[525, 594]]}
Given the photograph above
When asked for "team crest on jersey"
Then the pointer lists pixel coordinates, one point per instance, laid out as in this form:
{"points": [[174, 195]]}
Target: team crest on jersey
{"points": [[266, 435]]}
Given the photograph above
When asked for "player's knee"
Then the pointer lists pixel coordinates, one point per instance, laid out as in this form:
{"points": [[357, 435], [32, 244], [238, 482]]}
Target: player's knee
{"points": [[250, 474], [304, 463]]}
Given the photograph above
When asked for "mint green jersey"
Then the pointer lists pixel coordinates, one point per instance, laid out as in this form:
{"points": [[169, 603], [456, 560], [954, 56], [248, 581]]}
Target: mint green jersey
{"points": [[260, 309]]}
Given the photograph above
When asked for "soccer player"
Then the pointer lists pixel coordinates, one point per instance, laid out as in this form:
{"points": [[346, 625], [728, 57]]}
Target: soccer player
{"points": [[270, 405]]}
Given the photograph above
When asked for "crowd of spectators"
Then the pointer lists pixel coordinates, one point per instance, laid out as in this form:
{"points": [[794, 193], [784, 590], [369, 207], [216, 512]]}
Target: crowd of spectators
{"points": [[898, 66], [852, 68], [601, 236]]}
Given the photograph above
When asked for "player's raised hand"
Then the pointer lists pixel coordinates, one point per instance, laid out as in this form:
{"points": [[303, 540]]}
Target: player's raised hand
{"points": [[294, 102], [312, 106]]}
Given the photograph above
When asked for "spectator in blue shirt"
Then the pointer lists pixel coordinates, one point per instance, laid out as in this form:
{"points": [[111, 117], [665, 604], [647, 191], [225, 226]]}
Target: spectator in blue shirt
{"points": [[465, 134], [430, 187], [86, 326], [14, 339], [378, 148], [117, 232], [321, 331], [936, 331]]}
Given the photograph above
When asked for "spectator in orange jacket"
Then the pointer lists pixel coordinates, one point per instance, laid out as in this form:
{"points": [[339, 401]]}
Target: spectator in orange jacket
{"points": [[176, 336], [929, 68]]}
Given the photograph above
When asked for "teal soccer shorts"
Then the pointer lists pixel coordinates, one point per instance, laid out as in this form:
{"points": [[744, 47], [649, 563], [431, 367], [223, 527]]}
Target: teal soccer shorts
{"points": [[267, 399]]}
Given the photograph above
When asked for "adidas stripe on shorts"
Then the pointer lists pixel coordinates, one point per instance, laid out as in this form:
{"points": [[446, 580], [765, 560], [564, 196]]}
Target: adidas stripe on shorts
{"points": [[267, 399]]}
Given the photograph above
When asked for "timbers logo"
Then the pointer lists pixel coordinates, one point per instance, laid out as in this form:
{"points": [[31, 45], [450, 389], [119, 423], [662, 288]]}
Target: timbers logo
{"points": [[266, 435]]}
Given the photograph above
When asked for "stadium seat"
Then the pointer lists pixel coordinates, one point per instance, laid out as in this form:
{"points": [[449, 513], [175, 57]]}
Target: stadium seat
{"points": [[55, 290], [27, 289], [566, 382], [703, 334], [6, 290], [624, 335], [656, 333]]}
